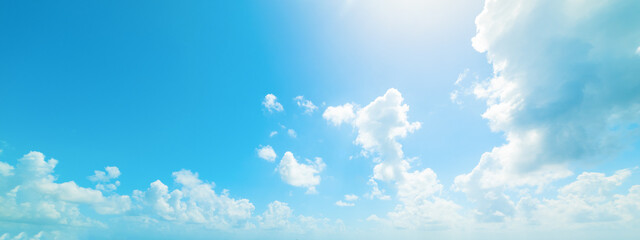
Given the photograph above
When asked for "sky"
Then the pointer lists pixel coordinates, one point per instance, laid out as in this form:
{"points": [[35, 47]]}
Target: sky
{"points": [[336, 119]]}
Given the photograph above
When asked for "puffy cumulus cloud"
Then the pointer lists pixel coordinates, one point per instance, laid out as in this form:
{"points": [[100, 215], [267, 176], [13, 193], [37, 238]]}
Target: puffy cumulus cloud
{"points": [[271, 103], [279, 216], [340, 114], [300, 174], [267, 153], [194, 202], [588, 200], [308, 106], [564, 90], [380, 124], [32, 195]]}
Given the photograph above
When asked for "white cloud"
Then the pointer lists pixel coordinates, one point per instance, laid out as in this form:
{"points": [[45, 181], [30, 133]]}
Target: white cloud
{"points": [[348, 201], [267, 153], [280, 216], [379, 124], [340, 114], [453, 96], [461, 76], [300, 174], [432, 214], [39, 235], [100, 176], [6, 169], [306, 104], [638, 50], [270, 103], [350, 197], [273, 133], [589, 199], [419, 206], [564, 90], [292, 133], [31, 197], [340, 203], [376, 192]]}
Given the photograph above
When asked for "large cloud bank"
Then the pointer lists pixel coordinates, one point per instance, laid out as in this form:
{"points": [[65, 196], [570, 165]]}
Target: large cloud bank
{"points": [[564, 92]]}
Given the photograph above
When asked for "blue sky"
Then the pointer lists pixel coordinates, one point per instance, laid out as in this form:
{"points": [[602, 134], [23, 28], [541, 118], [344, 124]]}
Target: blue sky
{"points": [[319, 119]]}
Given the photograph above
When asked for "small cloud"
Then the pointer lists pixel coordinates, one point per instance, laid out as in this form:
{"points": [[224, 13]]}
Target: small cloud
{"points": [[267, 153], [454, 97], [270, 102], [638, 50], [348, 201], [273, 133], [461, 76], [340, 203], [101, 176], [308, 106], [292, 133], [350, 197]]}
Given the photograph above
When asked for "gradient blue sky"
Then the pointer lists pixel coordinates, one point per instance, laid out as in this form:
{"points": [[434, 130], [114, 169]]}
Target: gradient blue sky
{"points": [[545, 116]]}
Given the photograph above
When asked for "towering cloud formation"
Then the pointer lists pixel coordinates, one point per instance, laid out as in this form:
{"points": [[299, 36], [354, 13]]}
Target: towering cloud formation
{"points": [[565, 89], [380, 124]]}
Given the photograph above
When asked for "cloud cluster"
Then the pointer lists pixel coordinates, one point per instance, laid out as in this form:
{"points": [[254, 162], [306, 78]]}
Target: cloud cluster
{"points": [[349, 200], [195, 202], [31, 194], [564, 91]]}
